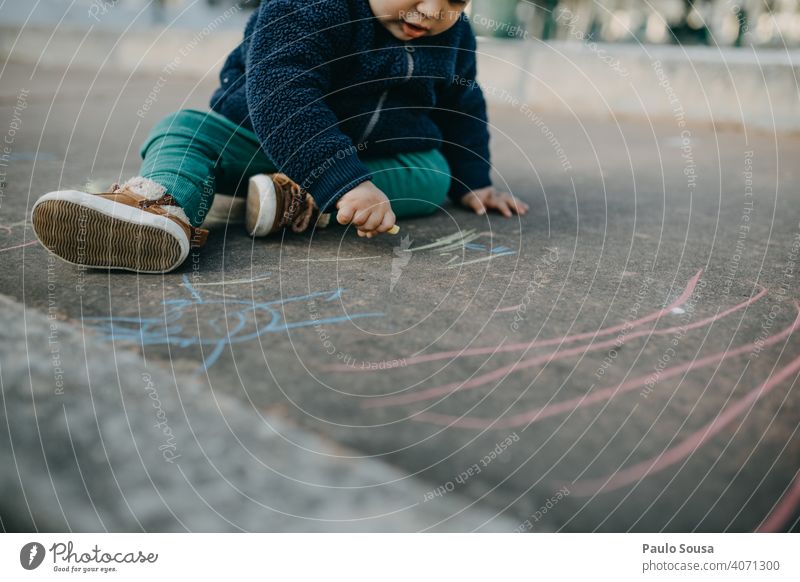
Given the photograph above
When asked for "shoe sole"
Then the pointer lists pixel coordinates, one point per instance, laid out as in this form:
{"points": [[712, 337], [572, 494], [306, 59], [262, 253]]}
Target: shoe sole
{"points": [[90, 231], [261, 205]]}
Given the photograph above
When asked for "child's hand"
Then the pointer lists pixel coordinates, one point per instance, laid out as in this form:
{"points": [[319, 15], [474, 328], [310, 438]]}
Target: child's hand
{"points": [[490, 197], [367, 208]]}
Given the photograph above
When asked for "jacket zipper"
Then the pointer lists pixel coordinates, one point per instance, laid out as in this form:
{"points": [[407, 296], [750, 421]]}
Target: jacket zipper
{"points": [[373, 120]]}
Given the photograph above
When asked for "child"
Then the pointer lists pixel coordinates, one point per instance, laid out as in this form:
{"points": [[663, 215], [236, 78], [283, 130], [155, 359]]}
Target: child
{"points": [[366, 109]]}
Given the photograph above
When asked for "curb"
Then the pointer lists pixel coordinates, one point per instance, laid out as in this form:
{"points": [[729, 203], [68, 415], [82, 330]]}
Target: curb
{"points": [[99, 461]]}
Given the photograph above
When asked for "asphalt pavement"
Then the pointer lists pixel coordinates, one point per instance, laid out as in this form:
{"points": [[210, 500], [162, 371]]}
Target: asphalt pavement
{"points": [[621, 358]]}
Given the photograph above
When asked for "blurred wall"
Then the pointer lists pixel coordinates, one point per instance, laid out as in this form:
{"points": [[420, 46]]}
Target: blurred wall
{"points": [[762, 23]]}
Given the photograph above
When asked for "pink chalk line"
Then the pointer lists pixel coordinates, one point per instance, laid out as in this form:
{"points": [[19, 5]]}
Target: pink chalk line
{"points": [[508, 309], [545, 359], [684, 297], [599, 395], [643, 469], [779, 517], [27, 244]]}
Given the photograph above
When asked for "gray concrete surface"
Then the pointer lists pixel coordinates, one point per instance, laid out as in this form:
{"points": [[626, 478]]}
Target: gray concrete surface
{"points": [[674, 422], [105, 441]]}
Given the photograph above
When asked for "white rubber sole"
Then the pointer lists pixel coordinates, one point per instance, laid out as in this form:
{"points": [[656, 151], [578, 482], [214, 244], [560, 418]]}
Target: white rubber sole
{"points": [[261, 205], [90, 231]]}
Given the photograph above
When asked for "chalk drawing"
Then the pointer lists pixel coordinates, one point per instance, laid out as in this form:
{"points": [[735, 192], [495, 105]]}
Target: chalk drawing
{"points": [[27, 244], [451, 260], [557, 341], [337, 259], [481, 260], [237, 324], [688, 446], [778, 518], [507, 309], [402, 256], [458, 241], [256, 279], [9, 228], [502, 372], [221, 294], [600, 395]]}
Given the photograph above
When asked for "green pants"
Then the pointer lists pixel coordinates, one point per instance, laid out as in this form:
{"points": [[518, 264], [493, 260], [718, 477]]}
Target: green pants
{"points": [[195, 154]]}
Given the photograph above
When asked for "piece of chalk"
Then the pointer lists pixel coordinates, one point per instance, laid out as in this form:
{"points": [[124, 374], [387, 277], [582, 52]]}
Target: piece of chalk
{"points": [[394, 230]]}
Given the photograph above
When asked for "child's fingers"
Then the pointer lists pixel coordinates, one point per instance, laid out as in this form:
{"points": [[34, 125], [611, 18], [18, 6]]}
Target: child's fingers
{"points": [[521, 207], [344, 215], [512, 206], [504, 208], [373, 222], [516, 205], [500, 204], [387, 223], [361, 217], [503, 202], [389, 220], [507, 203], [475, 203]]}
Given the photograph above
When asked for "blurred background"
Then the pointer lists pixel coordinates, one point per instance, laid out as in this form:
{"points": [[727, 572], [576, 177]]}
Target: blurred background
{"points": [[762, 23], [723, 22]]}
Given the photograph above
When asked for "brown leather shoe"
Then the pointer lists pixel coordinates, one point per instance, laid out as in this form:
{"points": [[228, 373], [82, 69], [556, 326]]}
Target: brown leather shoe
{"points": [[114, 230], [274, 202]]}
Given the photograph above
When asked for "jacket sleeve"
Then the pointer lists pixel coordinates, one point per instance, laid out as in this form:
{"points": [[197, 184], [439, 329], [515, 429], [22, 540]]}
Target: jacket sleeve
{"points": [[461, 116], [288, 75]]}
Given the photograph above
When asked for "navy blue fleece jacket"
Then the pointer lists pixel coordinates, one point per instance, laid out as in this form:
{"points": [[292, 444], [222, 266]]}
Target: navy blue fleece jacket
{"points": [[324, 85]]}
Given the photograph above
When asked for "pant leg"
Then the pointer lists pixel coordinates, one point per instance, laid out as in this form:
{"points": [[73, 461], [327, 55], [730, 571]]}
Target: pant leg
{"points": [[416, 183], [194, 154]]}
